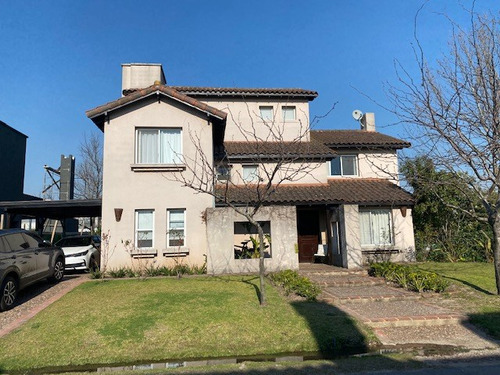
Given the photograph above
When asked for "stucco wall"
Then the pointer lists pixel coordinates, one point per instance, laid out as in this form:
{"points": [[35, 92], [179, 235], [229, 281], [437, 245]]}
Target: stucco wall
{"points": [[244, 120], [312, 172], [132, 190], [371, 164], [220, 235], [355, 255]]}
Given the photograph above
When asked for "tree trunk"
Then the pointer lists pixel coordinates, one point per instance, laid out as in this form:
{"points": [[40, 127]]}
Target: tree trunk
{"points": [[262, 270], [495, 226]]}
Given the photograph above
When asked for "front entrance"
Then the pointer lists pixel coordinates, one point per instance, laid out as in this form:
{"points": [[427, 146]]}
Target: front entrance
{"points": [[308, 234]]}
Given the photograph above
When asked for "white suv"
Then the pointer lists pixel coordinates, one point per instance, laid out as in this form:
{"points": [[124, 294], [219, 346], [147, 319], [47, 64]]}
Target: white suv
{"points": [[81, 252]]}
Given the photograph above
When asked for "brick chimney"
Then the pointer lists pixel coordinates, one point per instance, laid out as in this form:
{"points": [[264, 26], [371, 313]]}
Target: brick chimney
{"points": [[368, 122], [140, 76]]}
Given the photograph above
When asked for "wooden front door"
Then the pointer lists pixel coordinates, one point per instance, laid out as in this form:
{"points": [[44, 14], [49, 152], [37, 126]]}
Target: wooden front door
{"points": [[308, 246], [308, 233]]}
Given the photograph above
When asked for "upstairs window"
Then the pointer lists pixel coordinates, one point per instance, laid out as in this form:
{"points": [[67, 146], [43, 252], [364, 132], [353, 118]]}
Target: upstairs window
{"points": [[144, 224], [159, 146], [288, 113], [376, 227], [223, 172], [176, 233], [250, 173], [344, 165], [266, 113]]}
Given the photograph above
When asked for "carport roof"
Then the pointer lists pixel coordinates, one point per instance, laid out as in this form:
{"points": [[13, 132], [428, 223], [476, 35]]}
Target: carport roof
{"points": [[54, 209]]}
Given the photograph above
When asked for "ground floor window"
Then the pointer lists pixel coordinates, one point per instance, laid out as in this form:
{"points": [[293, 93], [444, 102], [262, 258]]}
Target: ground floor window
{"points": [[176, 231], [246, 240], [376, 227], [144, 228]]}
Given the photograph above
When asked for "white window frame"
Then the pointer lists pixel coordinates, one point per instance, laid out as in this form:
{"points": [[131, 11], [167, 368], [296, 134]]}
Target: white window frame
{"points": [[137, 230], [289, 107], [356, 166], [177, 155], [370, 211], [255, 175], [267, 107], [169, 210]]}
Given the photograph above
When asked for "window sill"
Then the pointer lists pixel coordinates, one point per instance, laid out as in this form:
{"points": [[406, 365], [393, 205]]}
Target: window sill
{"points": [[157, 167], [182, 252], [375, 251], [344, 176], [143, 253]]}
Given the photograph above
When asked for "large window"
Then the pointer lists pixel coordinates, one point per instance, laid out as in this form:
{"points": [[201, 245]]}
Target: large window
{"points": [[344, 165], [144, 228], [250, 173], [266, 113], [159, 146], [376, 227], [176, 231], [288, 113]]}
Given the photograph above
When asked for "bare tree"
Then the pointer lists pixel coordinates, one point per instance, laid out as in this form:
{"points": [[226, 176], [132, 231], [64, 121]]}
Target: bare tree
{"points": [[454, 109], [279, 158], [88, 183]]}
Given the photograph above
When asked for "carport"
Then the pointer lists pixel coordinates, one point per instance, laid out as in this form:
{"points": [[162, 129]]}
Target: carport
{"points": [[12, 211]]}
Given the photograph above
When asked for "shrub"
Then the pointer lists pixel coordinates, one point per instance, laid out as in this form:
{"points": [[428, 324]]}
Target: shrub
{"points": [[292, 282], [152, 271], [409, 277]]}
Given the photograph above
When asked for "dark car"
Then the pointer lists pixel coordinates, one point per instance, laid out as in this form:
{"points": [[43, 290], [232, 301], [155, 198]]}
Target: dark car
{"points": [[25, 259]]}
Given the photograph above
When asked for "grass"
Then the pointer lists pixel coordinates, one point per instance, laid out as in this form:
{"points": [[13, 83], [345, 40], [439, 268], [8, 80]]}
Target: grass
{"points": [[129, 321], [476, 293]]}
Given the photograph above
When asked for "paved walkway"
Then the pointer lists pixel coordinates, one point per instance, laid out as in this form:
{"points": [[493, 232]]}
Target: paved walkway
{"points": [[36, 298], [397, 316]]}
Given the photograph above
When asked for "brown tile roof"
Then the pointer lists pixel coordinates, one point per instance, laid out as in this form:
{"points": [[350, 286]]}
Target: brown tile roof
{"points": [[339, 191], [272, 150], [165, 90], [230, 92], [357, 138]]}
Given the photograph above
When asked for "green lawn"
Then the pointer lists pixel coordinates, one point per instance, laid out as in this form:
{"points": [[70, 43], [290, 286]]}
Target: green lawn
{"points": [[127, 321], [476, 293]]}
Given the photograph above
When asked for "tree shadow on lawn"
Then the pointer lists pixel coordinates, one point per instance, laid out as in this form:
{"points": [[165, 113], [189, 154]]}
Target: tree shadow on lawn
{"points": [[489, 323], [469, 284], [335, 332]]}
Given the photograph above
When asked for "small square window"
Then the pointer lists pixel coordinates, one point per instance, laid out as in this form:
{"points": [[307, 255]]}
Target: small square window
{"points": [[266, 113], [288, 113], [250, 173], [223, 172]]}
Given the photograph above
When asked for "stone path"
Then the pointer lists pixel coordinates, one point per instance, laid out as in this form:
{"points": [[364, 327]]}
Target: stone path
{"points": [[397, 316], [36, 298]]}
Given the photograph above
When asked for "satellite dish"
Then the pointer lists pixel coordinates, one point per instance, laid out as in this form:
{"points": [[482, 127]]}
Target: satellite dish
{"points": [[357, 114]]}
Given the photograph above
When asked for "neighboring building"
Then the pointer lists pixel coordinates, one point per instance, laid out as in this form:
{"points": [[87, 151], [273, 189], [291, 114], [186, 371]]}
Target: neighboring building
{"points": [[13, 146], [347, 211]]}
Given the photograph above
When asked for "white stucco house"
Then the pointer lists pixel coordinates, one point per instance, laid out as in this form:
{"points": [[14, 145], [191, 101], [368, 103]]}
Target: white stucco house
{"points": [[346, 211]]}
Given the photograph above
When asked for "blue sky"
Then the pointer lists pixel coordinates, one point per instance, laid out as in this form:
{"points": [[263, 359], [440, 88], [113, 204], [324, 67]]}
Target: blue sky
{"points": [[60, 58]]}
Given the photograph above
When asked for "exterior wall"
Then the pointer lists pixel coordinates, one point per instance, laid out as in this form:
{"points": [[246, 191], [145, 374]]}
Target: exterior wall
{"points": [[13, 146], [245, 115], [131, 190], [220, 235], [355, 255], [373, 164], [316, 173]]}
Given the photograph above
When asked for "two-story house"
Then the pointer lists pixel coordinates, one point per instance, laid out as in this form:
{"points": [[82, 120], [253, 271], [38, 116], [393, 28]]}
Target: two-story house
{"points": [[346, 210]]}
